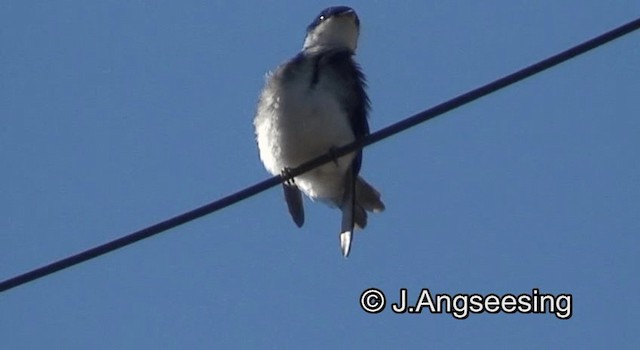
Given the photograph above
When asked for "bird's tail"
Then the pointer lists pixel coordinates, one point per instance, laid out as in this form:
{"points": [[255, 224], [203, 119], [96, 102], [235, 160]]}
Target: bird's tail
{"points": [[359, 197]]}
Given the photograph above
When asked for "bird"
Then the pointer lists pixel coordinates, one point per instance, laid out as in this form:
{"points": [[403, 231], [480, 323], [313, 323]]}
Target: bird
{"points": [[311, 105]]}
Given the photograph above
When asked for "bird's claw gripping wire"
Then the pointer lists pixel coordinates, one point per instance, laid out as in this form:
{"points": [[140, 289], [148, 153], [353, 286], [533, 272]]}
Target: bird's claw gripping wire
{"points": [[286, 175], [334, 154]]}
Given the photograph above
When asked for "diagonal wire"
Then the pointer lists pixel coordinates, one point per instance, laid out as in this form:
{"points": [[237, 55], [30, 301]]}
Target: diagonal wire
{"points": [[275, 180]]}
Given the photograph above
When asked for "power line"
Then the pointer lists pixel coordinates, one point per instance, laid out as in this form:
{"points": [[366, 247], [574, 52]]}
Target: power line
{"points": [[275, 180]]}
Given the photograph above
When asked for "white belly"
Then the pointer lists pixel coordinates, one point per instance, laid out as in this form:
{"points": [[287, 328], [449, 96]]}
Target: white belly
{"points": [[296, 124]]}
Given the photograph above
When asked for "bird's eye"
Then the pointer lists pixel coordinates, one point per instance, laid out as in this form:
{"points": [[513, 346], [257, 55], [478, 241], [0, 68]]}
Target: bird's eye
{"points": [[321, 18]]}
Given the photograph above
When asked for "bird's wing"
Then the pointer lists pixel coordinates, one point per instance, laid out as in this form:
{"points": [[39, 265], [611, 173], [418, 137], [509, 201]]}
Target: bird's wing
{"points": [[293, 197], [354, 98]]}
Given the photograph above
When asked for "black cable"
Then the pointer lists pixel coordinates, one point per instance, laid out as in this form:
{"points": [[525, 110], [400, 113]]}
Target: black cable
{"points": [[273, 181]]}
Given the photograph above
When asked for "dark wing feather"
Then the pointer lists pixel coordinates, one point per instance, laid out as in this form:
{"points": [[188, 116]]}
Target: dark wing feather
{"points": [[293, 197], [354, 98]]}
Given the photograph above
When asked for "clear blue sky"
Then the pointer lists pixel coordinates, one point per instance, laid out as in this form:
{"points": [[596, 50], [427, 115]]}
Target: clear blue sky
{"points": [[115, 115]]}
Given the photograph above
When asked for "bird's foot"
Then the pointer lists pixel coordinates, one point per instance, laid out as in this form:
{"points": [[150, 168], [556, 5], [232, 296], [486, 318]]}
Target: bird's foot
{"points": [[286, 174], [333, 154]]}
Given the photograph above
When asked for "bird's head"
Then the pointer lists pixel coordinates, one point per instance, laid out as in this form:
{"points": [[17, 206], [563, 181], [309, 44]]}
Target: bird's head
{"points": [[334, 27]]}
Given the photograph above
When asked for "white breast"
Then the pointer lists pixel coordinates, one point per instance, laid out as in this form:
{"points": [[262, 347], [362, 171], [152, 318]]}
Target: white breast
{"points": [[296, 123]]}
